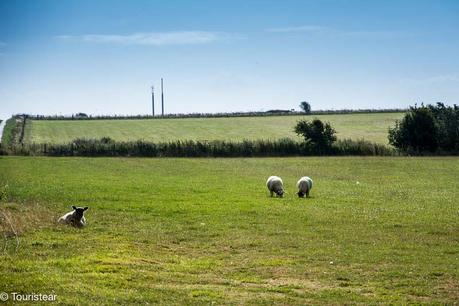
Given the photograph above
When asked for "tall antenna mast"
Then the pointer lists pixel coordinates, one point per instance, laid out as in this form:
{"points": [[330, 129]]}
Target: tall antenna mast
{"points": [[153, 100], [162, 98]]}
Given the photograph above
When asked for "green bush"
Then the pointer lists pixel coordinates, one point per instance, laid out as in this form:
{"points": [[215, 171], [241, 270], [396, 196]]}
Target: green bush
{"points": [[360, 147], [316, 133], [447, 120], [427, 129]]}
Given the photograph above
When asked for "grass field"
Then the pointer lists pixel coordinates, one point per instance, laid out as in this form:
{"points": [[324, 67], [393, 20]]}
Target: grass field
{"points": [[372, 127], [197, 231]]}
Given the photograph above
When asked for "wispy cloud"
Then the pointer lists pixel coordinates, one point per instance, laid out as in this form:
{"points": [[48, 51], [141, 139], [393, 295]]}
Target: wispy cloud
{"points": [[154, 38], [305, 28]]}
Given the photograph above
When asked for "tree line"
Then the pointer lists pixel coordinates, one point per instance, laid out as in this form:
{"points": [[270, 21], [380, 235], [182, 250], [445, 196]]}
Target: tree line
{"points": [[430, 129], [274, 112]]}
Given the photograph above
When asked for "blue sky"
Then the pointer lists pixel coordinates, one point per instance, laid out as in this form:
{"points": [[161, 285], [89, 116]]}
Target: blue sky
{"points": [[101, 57]]}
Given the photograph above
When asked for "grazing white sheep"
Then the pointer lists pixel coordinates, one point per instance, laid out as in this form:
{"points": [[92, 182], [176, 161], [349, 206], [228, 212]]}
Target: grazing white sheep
{"points": [[304, 185], [275, 185], [74, 217]]}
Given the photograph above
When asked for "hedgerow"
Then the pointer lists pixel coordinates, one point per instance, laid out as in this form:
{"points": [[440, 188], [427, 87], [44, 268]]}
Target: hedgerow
{"points": [[81, 116], [190, 148]]}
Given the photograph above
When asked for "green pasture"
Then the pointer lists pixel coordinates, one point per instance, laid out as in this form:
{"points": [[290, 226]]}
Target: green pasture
{"points": [[372, 127], [203, 231]]}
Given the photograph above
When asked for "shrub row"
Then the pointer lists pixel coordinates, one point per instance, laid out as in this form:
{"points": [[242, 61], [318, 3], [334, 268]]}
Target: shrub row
{"points": [[12, 131], [247, 148], [212, 115]]}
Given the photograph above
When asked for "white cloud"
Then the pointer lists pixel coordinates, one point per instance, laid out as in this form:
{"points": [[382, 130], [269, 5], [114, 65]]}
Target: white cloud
{"points": [[305, 28], [154, 38]]}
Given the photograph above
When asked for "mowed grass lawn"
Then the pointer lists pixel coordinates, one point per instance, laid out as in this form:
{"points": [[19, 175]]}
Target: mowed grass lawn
{"points": [[197, 231], [372, 127]]}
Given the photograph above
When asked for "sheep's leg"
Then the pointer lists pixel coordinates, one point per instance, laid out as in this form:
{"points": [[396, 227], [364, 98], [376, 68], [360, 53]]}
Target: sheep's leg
{"points": [[271, 192], [63, 220], [307, 194]]}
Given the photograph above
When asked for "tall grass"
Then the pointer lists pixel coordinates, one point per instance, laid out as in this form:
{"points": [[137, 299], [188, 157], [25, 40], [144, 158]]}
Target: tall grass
{"points": [[190, 148], [11, 132]]}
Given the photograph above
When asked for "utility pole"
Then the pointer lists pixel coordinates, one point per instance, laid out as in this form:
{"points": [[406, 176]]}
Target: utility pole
{"points": [[162, 98], [153, 100]]}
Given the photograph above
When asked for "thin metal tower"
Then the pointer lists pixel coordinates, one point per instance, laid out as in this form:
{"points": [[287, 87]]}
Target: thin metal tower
{"points": [[153, 100], [162, 98]]}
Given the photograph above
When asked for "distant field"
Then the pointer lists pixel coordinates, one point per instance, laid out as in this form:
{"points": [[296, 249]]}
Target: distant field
{"points": [[205, 231], [372, 127]]}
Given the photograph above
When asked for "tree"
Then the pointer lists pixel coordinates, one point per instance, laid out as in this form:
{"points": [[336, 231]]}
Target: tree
{"points": [[306, 107], [447, 119], [427, 128], [417, 131], [320, 135]]}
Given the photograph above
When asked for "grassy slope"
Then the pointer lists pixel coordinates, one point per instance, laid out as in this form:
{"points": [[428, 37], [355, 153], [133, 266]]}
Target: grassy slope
{"points": [[372, 127], [198, 230], [8, 132]]}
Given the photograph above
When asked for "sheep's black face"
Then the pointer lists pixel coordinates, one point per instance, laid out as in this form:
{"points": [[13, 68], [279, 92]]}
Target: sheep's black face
{"points": [[78, 211], [280, 193], [300, 194]]}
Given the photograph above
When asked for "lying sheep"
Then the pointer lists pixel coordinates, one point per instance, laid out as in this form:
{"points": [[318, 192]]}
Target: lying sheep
{"points": [[275, 185], [74, 217], [304, 185]]}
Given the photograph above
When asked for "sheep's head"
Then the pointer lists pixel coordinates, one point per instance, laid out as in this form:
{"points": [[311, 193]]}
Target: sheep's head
{"points": [[280, 192], [78, 211], [300, 194]]}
